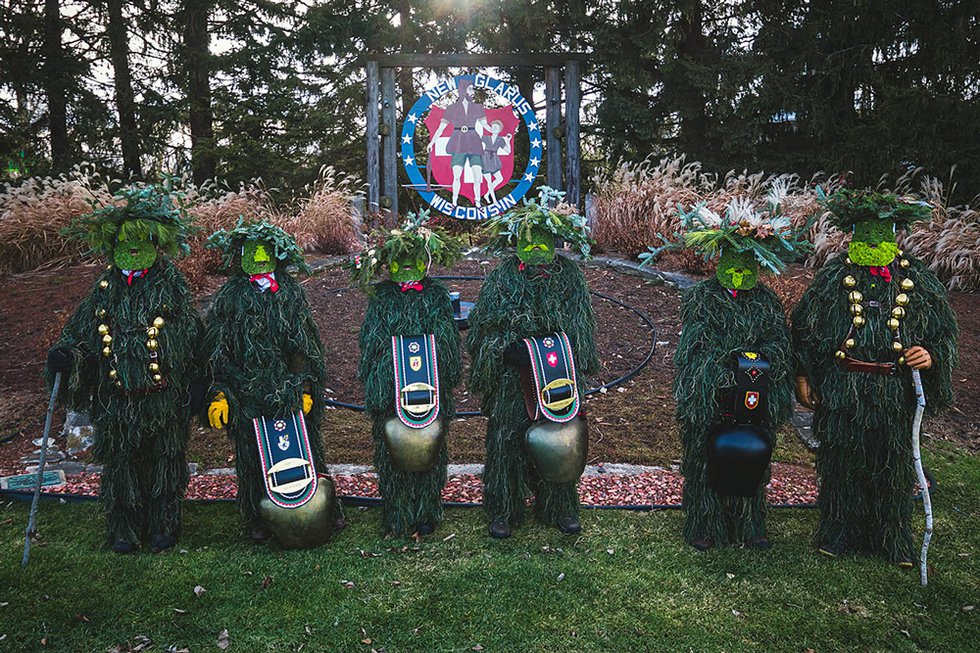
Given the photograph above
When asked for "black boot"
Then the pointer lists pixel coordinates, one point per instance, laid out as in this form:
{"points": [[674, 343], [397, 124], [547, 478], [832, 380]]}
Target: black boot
{"points": [[425, 528], [258, 534], [122, 546], [161, 542], [499, 529], [569, 525], [701, 543]]}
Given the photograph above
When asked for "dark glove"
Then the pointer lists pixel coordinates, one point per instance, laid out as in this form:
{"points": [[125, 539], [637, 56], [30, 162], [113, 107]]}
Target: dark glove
{"points": [[516, 355], [59, 359], [198, 392]]}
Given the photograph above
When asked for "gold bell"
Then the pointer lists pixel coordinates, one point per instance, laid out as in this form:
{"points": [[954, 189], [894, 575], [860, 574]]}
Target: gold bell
{"points": [[113, 374], [849, 343], [849, 281], [151, 344], [901, 360], [158, 322], [904, 263], [107, 352], [840, 355], [108, 267], [898, 312], [157, 378], [103, 329], [152, 332], [892, 324], [103, 284], [900, 252], [897, 346], [848, 261], [855, 296], [154, 367], [106, 339], [856, 309], [901, 299], [907, 285], [858, 321], [101, 313]]}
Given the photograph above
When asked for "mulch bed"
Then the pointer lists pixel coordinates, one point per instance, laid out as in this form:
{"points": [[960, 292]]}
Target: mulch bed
{"points": [[790, 485]]}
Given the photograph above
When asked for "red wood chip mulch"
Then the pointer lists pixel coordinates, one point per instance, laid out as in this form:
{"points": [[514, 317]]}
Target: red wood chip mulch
{"points": [[790, 485]]}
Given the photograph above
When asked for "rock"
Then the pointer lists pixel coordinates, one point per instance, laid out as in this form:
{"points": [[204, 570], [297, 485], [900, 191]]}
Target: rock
{"points": [[78, 432], [68, 467], [192, 469]]}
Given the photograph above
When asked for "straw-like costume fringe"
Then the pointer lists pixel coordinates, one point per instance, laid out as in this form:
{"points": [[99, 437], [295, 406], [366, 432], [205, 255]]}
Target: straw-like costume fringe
{"points": [[864, 421], [264, 351], [140, 433], [513, 305], [716, 326], [410, 498]]}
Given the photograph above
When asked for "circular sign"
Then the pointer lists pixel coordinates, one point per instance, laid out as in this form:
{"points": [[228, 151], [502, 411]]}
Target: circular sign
{"points": [[471, 149]]}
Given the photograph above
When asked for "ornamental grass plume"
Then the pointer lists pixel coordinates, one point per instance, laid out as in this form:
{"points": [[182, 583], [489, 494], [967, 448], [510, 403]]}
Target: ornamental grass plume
{"points": [[325, 221], [33, 213]]}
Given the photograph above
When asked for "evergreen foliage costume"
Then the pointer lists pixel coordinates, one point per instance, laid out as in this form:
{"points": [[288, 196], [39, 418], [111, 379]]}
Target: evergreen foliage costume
{"points": [[265, 359], [527, 295], [722, 318], [867, 316], [410, 458], [129, 353]]}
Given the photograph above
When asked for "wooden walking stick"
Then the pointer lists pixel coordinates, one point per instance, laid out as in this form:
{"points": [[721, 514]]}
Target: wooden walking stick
{"points": [[920, 406], [32, 519]]}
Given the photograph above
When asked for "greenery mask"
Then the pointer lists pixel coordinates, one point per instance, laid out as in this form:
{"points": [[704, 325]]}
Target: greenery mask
{"points": [[133, 250], [404, 269], [536, 247], [737, 270], [256, 258], [873, 243]]}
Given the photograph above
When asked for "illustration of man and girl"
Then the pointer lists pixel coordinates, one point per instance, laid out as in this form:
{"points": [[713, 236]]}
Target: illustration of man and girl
{"points": [[473, 144]]}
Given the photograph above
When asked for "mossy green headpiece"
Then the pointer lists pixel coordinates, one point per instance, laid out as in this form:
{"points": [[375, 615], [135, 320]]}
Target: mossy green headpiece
{"points": [[764, 232], [140, 213], [414, 241], [284, 247], [849, 207], [545, 214]]}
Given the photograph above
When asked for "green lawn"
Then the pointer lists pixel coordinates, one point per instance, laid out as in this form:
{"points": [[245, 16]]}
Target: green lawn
{"points": [[626, 584]]}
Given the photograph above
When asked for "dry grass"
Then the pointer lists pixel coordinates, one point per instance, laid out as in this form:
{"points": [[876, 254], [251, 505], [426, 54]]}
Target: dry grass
{"points": [[33, 212], [325, 221]]}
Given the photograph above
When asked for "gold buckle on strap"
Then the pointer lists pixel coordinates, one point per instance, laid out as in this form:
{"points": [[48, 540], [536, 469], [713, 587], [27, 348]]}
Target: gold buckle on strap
{"points": [[293, 486], [418, 409], [561, 403]]}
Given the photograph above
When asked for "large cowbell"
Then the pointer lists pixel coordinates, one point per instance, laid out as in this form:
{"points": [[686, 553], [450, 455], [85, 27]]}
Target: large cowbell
{"points": [[413, 449], [416, 434], [305, 527], [739, 450], [738, 456], [298, 504], [558, 441]]}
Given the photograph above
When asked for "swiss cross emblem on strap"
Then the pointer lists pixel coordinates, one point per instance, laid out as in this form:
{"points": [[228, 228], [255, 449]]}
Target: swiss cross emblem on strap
{"points": [[752, 400], [553, 359]]}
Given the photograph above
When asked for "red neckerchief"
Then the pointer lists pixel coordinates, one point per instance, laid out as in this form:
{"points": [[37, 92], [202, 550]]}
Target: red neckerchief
{"points": [[881, 271], [537, 270], [733, 292], [273, 284], [133, 275], [411, 285]]}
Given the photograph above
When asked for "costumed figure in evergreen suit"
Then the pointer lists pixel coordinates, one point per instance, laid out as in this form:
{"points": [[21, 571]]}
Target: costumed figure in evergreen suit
{"points": [[531, 344], [129, 354], [868, 316], [264, 358], [410, 363], [734, 381]]}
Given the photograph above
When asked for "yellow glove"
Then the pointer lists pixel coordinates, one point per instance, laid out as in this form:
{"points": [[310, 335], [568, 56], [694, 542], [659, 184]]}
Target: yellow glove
{"points": [[218, 411], [307, 403]]}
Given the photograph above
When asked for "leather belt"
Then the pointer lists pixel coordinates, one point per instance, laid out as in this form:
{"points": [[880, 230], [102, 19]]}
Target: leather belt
{"points": [[881, 369], [463, 129]]}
